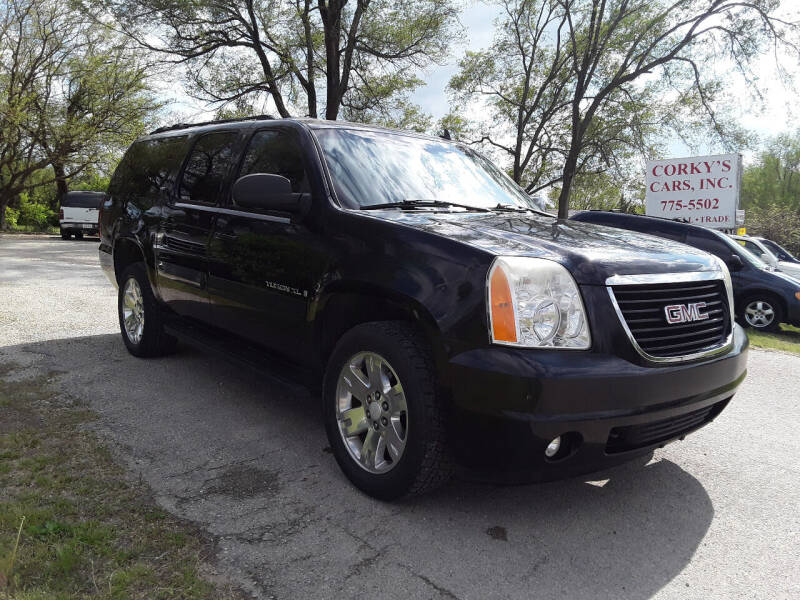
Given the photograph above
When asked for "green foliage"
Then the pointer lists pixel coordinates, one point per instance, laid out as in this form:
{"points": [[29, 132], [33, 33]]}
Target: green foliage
{"points": [[36, 215], [12, 218], [73, 95], [771, 192], [582, 86], [774, 180], [780, 224], [604, 191], [357, 59]]}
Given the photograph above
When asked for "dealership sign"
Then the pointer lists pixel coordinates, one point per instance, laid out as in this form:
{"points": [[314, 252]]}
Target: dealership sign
{"points": [[703, 190]]}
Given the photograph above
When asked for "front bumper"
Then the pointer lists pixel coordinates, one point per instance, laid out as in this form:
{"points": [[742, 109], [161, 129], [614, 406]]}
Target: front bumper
{"points": [[90, 228], [793, 314], [508, 404]]}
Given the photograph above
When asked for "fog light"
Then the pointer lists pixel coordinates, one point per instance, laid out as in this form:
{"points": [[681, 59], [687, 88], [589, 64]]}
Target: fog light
{"points": [[553, 447]]}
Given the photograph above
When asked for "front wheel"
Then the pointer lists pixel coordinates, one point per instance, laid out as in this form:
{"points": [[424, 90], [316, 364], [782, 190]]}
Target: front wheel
{"points": [[140, 318], [382, 415], [762, 312]]}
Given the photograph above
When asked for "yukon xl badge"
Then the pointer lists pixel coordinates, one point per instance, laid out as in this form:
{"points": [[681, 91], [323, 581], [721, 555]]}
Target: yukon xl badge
{"points": [[685, 313]]}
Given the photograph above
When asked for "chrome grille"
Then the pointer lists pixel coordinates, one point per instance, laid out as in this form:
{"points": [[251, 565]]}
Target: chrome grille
{"points": [[642, 309]]}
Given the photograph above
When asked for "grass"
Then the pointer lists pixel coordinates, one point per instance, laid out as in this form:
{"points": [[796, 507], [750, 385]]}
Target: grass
{"points": [[82, 529], [50, 230], [787, 340]]}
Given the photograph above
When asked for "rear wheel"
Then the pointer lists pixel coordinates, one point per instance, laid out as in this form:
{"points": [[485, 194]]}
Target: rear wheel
{"points": [[382, 415], [65, 234], [762, 312], [79, 235], [140, 319]]}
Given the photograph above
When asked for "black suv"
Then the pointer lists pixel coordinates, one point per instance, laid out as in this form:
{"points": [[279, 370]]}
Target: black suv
{"points": [[448, 321], [765, 297]]}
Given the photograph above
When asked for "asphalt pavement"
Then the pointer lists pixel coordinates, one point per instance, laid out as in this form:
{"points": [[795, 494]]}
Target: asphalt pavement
{"points": [[246, 458]]}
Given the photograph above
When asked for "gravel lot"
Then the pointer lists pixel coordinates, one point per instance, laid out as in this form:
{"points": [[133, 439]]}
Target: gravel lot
{"points": [[246, 458]]}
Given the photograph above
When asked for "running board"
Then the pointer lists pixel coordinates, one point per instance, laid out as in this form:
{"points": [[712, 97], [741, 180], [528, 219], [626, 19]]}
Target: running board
{"points": [[245, 354]]}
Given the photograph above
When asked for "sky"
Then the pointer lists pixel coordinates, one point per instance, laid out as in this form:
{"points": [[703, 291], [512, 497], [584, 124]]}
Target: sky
{"points": [[776, 114]]}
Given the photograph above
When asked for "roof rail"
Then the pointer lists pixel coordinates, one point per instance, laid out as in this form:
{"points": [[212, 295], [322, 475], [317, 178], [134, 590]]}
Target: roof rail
{"points": [[214, 122]]}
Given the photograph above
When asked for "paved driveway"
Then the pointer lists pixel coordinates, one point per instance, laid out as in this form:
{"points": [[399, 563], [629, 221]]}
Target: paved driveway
{"points": [[246, 458]]}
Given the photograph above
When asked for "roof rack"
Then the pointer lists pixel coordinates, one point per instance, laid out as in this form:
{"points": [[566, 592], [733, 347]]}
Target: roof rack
{"points": [[214, 122]]}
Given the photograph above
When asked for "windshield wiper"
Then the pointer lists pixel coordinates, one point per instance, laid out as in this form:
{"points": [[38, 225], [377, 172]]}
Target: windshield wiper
{"points": [[520, 209], [411, 204], [510, 208]]}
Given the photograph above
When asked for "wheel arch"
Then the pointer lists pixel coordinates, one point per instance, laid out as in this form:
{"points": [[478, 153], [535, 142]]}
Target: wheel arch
{"points": [[346, 306], [742, 298], [127, 251]]}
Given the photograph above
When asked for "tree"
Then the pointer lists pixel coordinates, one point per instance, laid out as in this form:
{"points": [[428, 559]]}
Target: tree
{"points": [[71, 97], [774, 180], [335, 57], [579, 84]]}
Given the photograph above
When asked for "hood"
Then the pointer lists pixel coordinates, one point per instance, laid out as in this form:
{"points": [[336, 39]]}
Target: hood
{"points": [[790, 269], [592, 253]]}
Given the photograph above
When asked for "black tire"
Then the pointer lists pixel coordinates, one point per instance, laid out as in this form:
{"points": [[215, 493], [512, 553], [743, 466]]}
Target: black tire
{"points": [[154, 340], [65, 234], [778, 314], [425, 462], [79, 235]]}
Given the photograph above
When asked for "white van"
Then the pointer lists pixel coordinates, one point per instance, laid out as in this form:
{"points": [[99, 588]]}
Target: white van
{"points": [[79, 213]]}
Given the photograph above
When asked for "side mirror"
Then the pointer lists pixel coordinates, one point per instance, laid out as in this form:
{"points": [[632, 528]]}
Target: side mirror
{"points": [[770, 260], [735, 263], [267, 192]]}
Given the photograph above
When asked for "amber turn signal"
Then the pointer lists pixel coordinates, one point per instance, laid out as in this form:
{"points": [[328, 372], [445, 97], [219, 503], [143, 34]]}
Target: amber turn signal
{"points": [[504, 325]]}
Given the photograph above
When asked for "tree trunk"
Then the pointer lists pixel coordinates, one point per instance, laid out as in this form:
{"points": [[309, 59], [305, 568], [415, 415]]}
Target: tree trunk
{"points": [[570, 167], [332, 23], [2, 214], [61, 180]]}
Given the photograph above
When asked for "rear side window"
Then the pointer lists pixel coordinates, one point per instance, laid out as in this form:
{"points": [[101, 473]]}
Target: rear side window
{"points": [[276, 153], [148, 167], [82, 200], [207, 167]]}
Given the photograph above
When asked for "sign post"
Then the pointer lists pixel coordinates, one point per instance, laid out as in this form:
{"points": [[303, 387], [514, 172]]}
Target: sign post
{"points": [[702, 190]]}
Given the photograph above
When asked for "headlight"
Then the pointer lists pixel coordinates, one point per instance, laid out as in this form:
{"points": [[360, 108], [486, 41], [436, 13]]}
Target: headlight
{"points": [[535, 303]]}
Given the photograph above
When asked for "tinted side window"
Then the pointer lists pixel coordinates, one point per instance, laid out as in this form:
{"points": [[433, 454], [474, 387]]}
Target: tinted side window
{"points": [[773, 248], [276, 153], [753, 248], [207, 167], [147, 167], [713, 246], [671, 234]]}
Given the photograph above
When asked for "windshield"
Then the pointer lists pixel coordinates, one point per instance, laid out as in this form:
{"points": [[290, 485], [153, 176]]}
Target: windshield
{"points": [[744, 254], [779, 250], [372, 168]]}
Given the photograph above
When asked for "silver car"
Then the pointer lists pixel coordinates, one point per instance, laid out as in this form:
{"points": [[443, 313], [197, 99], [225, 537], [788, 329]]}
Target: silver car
{"points": [[761, 250]]}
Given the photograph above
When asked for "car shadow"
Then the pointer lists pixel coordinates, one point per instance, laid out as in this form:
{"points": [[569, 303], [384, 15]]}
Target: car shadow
{"points": [[246, 457]]}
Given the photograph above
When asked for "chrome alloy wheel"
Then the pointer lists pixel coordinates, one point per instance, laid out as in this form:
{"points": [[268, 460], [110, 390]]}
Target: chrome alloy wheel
{"points": [[133, 310], [371, 411], [759, 314]]}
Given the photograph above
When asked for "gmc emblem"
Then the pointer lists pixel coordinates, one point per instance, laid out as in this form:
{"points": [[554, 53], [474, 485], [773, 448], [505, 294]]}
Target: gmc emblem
{"points": [[685, 313]]}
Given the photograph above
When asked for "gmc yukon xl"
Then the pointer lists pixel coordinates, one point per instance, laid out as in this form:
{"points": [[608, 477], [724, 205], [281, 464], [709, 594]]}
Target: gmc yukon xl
{"points": [[447, 321]]}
